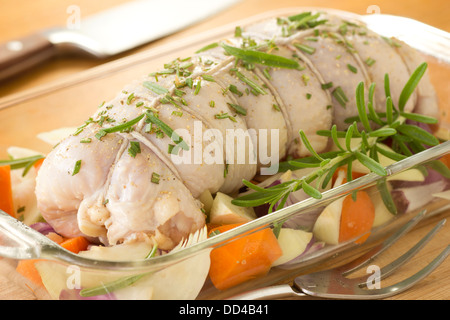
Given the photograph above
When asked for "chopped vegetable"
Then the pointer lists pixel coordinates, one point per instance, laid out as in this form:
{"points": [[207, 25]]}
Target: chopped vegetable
{"points": [[29, 271], [27, 267], [244, 258], [222, 211], [76, 244], [357, 217], [6, 198]]}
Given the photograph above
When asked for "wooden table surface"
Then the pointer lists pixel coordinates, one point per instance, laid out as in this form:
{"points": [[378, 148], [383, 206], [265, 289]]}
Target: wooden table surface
{"points": [[21, 17]]}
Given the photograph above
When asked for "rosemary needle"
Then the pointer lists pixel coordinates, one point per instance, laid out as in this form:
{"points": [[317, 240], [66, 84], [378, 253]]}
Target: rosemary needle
{"points": [[392, 124]]}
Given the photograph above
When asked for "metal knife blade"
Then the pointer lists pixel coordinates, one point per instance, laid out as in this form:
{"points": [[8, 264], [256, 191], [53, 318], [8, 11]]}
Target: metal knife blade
{"points": [[107, 33]]}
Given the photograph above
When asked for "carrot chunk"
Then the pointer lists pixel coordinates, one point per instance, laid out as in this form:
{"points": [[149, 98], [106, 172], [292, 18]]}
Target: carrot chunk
{"points": [[29, 271], [243, 259], [76, 244], [357, 217], [6, 197]]}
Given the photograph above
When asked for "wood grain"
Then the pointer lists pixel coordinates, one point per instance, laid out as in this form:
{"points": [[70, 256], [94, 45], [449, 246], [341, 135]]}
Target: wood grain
{"points": [[19, 18]]}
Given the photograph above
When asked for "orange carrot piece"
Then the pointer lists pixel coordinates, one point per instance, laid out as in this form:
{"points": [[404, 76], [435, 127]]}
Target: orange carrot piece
{"points": [[6, 197], [243, 259], [55, 237], [76, 244], [37, 164], [355, 175], [29, 271], [357, 217], [27, 268]]}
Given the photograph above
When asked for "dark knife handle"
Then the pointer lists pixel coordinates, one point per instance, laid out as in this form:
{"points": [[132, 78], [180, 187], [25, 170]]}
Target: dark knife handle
{"points": [[22, 54]]}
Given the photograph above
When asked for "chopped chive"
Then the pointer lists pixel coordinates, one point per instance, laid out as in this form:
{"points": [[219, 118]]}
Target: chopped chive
{"points": [[340, 96], [208, 47], [225, 115], [305, 79], [249, 82], [235, 90], [207, 77], [305, 48], [267, 74], [369, 61], [238, 32], [312, 39], [189, 82], [173, 149], [177, 113], [167, 130], [187, 65], [276, 107], [130, 98], [134, 148], [327, 85], [139, 104], [198, 86], [76, 168], [308, 96], [156, 88], [86, 140], [238, 109], [212, 103], [352, 68], [155, 178], [179, 93]]}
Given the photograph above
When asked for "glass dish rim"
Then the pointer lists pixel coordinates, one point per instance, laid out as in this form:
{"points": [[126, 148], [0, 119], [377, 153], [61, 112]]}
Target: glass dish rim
{"points": [[208, 244]]}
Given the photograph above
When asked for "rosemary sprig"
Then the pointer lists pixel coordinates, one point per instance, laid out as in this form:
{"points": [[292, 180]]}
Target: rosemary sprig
{"points": [[391, 125], [259, 57], [20, 163]]}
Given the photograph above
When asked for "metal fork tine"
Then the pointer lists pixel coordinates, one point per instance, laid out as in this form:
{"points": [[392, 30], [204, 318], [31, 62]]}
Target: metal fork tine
{"points": [[407, 283], [333, 284], [391, 267], [372, 254]]}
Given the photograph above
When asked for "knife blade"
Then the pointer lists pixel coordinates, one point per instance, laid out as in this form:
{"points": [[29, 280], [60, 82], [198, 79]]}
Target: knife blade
{"points": [[107, 33]]}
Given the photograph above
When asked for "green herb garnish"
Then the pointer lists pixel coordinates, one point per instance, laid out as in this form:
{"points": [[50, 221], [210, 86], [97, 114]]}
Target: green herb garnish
{"points": [[121, 127], [76, 168], [392, 125], [134, 148], [238, 109], [20, 163], [156, 88], [155, 178], [305, 48], [208, 47], [259, 57], [152, 118]]}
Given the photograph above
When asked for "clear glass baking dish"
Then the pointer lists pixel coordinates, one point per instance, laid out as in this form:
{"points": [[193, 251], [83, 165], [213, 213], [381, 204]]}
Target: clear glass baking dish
{"points": [[67, 102]]}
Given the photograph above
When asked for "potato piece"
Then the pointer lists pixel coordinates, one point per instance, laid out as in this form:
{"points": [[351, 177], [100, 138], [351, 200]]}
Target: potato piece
{"points": [[293, 243], [224, 212], [327, 226]]}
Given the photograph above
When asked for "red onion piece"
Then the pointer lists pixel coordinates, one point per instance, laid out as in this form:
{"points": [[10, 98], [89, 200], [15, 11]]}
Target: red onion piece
{"points": [[42, 227], [75, 295]]}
